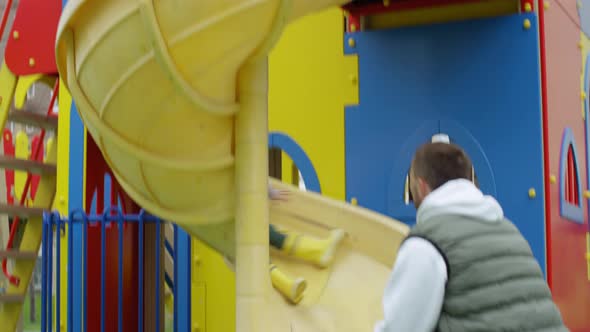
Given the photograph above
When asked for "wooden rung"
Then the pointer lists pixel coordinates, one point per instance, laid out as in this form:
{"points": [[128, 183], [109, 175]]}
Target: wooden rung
{"points": [[21, 211], [32, 166], [169, 233], [169, 265], [17, 254], [33, 119], [12, 298]]}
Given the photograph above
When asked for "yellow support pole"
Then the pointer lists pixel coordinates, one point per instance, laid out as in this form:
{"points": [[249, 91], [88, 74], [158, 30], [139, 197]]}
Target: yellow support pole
{"points": [[252, 250]]}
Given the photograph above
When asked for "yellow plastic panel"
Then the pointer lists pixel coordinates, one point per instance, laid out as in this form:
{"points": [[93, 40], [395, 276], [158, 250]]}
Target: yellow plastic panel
{"points": [[213, 296], [311, 81], [7, 87]]}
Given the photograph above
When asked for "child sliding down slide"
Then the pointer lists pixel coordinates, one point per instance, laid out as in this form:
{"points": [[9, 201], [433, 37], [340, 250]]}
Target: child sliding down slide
{"points": [[319, 252]]}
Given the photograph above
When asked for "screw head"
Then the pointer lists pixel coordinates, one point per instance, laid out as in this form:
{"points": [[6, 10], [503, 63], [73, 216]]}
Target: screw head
{"points": [[528, 7], [527, 24], [532, 193], [351, 42]]}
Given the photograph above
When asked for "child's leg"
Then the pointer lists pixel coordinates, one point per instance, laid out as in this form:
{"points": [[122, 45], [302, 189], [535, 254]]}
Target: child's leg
{"points": [[276, 238], [291, 288], [320, 252]]}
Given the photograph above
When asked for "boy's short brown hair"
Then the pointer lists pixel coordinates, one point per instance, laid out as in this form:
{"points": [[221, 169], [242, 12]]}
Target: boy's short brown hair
{"points": [[438, 163]]}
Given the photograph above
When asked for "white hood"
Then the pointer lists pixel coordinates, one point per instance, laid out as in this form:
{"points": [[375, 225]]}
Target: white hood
{"points": [[462, 198]]}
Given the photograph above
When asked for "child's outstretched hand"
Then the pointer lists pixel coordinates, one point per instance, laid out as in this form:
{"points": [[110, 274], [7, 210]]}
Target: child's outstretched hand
{"points": [[278, 195]]}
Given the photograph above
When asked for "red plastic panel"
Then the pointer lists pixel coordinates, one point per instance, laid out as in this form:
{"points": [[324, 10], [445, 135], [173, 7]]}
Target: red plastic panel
{"points": [[570, 7], [95, 174], [566, 252], [31, 44]]}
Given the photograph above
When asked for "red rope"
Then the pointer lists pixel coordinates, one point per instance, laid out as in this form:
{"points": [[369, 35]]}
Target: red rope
{"points": [[5, 17], [37, 156]]}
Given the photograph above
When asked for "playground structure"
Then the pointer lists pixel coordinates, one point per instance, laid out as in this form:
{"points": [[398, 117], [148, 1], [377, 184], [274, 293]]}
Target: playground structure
{"points": [[505, 79]]}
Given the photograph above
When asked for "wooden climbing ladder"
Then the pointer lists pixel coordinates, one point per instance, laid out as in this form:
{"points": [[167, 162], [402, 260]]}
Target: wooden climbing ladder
{"points": [[24, 255]]}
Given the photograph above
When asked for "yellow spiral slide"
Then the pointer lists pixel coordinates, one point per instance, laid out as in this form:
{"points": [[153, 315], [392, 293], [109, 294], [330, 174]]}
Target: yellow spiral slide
{"points": [[174, 93]]}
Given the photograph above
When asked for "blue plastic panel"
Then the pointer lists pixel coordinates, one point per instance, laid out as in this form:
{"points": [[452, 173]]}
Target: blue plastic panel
{"points": [[477, 81], [182, 282], [584, 12], [75, 201]]}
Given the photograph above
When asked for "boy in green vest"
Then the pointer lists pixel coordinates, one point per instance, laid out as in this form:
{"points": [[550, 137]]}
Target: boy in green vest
{"points": [[464, 266]]}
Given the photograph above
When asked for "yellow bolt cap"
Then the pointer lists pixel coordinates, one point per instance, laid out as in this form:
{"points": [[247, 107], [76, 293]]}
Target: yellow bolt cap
{"points": [[586, 194], [31, 62], [15, 34], [532, 193], [546, 4], [354, 201], [351, 42], [527, 7], [527, 24]]}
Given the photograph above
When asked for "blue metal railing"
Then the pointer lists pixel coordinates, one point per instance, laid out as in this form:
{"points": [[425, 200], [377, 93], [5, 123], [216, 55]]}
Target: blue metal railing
{"points": [[113, 216]]}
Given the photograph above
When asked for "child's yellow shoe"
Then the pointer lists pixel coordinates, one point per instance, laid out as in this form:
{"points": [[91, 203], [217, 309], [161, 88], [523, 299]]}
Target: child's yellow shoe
{"points": [[320, 252], [291, 289]]}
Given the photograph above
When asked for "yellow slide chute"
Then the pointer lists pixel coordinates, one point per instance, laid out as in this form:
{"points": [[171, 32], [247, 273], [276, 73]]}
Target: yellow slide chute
{"points": [[175, 95]]}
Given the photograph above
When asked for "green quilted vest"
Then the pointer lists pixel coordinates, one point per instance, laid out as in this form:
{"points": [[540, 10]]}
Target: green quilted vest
{"points": [[494, 282]]}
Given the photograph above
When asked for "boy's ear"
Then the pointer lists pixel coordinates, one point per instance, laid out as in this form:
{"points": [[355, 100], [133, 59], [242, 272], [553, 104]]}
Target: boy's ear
{"points": [[423, 186]]}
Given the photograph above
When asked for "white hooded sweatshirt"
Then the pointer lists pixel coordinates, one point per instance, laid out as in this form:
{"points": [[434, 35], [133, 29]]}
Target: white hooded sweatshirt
{"points": [[414, 295]]}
